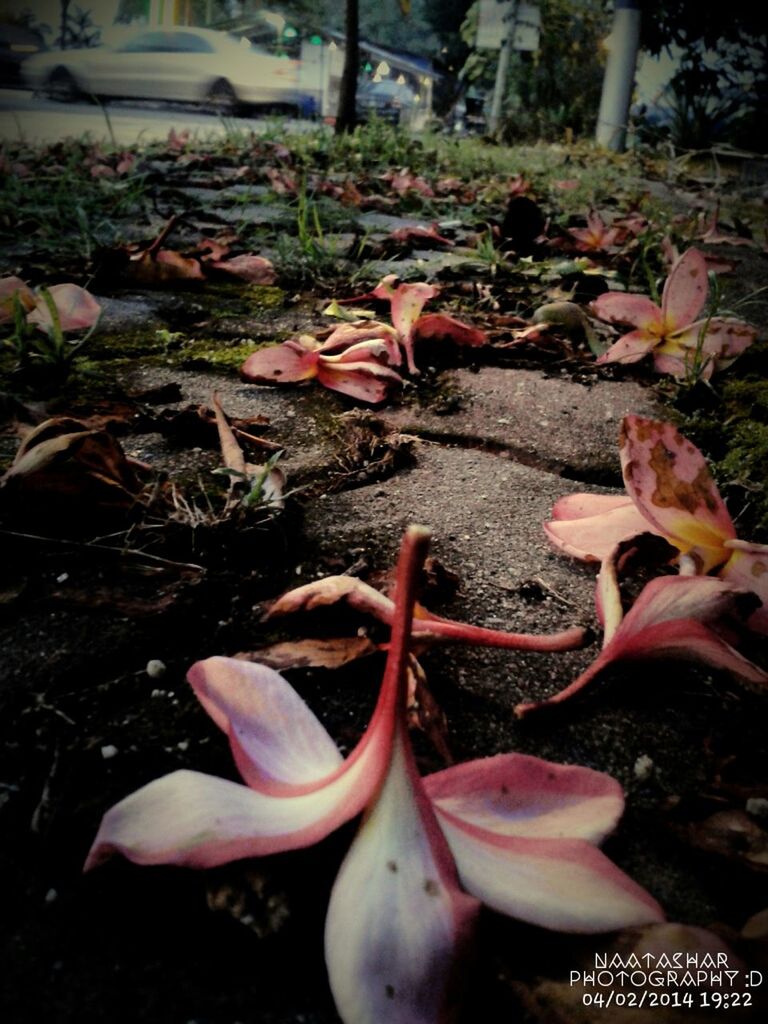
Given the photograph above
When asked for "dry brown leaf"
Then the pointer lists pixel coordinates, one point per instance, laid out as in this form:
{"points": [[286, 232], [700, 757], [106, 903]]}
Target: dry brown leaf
{"points": [[732, 834], [331, 653]]}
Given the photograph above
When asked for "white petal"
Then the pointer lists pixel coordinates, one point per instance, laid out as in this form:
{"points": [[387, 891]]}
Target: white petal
{"points": [[275, 737], [520, 795], [564, 884], [396, 914]]}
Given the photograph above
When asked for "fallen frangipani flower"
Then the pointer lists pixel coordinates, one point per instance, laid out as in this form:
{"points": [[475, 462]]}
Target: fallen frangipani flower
{"points": [[406, 303], [680, 344], [358, 370], [357, 358], [420, 237], [516, 832], [596, 236], [709, 226], [426, 628], [672, 494], [76, 308]]}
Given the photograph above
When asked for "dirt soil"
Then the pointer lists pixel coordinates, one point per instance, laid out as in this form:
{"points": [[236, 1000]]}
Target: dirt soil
{"points": [[99, 624]]}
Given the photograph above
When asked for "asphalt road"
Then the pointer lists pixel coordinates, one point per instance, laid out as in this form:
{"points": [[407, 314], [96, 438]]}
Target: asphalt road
{"points": [[35, 119]]}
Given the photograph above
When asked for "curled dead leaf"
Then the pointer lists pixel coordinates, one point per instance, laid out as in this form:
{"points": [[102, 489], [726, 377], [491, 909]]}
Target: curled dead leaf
{"points": [[331, 653], [65, 473]]}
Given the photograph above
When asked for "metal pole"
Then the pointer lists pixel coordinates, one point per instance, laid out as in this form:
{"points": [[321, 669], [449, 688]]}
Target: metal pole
{"points": [[619, 78], [502, 68]]}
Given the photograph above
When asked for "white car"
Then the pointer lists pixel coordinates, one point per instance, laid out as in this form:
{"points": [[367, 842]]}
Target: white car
{"points": [[188, 64]]}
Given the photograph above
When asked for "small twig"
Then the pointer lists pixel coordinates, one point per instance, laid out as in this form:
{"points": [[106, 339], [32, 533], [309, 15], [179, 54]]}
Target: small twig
{"points": [[143, 556], [154, 246], [55, 711], [271, 446], [44, 802], [540, 583]]}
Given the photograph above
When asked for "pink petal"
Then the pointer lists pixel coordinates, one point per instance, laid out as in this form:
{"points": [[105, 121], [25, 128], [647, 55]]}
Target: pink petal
{"points": [[687, 640], [564, 884], [703, 598], [386, 287], [373, 351], [677, 367], [280, 364], [592, 538], [667, 621], [623, 308], [277, 742], [357, 372], [200, 821], [397, 916], [726, 338], [429, 237], [327, 591], [668, 479], [630, 348], [10, 286], [256, 269], [407, 304], [440, 325], [519, 795], [346, 335], [748, 568], [685, 291], [77, 309], [579, 506], [358, 384]]}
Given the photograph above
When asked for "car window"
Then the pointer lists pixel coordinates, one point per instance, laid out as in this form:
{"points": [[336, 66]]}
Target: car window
{"points": [[147, 42], [188, 42]]}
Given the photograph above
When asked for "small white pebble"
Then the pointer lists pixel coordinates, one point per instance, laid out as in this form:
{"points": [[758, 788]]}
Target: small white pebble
{"points": [[62, 578], [157, 693], [108, 751], [298, 569], [183, 744], [155, 668], [644, 767], [51, 896], [758, 806]]}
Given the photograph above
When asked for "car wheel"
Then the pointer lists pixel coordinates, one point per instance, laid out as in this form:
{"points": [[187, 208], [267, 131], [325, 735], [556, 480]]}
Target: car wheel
{"points": [[221, 98], [284, 110], [61, 86]]}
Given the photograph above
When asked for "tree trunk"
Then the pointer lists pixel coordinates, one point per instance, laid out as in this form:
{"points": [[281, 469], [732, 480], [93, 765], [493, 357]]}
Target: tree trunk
{"points": [[618, 82], [346, 116], [64, 26]]}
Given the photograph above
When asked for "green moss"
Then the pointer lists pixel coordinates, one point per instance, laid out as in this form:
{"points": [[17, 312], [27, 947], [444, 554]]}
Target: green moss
{"points": [[128, 345], [264, 296], [747, 399], [732, 430], [745, 467], [211, 355]]}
